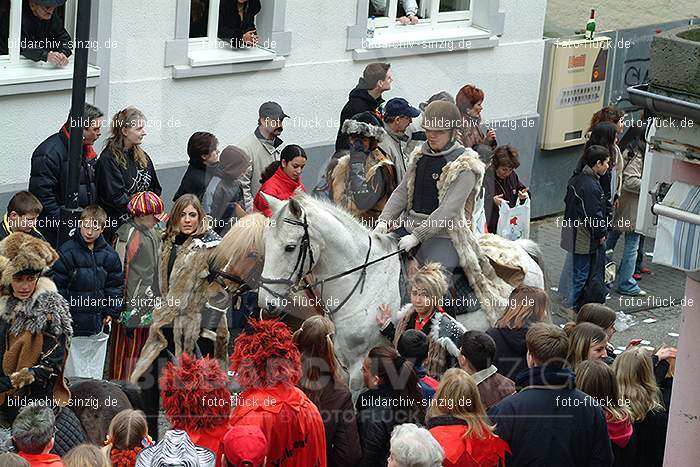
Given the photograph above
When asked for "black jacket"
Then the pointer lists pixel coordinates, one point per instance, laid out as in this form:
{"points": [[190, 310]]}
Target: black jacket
{"points": [[492, 187], [552, 424], [650, 435], [116, 184], [230, 24], [359, 101], [39, 37], [585, 221], [91, 281], [218, 202], [195, 180], [47, 179], [511, 350]]}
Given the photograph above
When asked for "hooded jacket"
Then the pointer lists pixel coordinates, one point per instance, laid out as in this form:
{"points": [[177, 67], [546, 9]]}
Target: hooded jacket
{"points": [[290, 422], [225, 188], [466, 451], [46, 181], [39, 36], [359, 100], [551, 423], [92, 281], [281, 186], [585, 221], [623, 443], [511, 350]]}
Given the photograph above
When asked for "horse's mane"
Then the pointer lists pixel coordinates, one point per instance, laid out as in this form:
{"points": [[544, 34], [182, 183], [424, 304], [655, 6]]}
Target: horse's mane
{"points": [[245, 236], [345, 218]]}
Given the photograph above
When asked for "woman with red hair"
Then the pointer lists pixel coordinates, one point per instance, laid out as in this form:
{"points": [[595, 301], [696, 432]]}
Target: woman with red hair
{"points": [[267, 365], [469, 102], [196, 400]]}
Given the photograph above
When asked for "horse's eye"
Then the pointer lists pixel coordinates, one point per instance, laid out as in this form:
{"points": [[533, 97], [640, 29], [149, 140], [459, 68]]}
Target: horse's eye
{"points": [[290, 248]]}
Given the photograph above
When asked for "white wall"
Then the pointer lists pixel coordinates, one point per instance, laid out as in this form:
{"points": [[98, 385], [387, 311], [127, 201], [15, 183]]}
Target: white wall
{"points": [[312, 86]]}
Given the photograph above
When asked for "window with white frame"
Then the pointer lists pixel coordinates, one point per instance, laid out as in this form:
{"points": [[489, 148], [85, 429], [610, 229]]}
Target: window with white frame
{"points": [[14, 47], [390, 14]]}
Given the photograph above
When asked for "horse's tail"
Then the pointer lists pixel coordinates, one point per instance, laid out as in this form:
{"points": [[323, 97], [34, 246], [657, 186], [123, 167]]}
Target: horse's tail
{"points": [[535, 252]]}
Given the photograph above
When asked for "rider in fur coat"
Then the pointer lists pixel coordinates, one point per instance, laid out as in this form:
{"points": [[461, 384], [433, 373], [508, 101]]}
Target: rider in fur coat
{"points": [[434, 204], [35, 326], [363, 180]]}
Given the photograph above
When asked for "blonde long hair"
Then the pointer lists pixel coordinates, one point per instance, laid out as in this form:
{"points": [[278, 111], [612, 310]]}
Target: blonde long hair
{"points": [[635, 376], [126, 118], [172, 228], [597, 379], [458, 396]]}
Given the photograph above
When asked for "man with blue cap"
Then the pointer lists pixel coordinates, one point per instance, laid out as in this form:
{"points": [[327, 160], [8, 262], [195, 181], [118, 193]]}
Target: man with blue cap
{"points": [[44, 38], [398, 115]]}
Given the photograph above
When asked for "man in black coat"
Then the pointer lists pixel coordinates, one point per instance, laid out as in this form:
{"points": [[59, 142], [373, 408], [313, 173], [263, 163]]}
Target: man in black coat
{"points": [[550, 422], [44, 38], [49, 171], [366, 97]]}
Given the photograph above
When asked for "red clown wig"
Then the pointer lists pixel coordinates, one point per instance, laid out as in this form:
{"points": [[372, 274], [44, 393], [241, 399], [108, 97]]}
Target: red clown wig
{"points": [[266, 357], [194, 394]]}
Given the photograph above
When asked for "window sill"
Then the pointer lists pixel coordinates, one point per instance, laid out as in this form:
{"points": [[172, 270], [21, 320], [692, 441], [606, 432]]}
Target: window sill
{"points": [[218, 61], [401, 42], [29, 77]]}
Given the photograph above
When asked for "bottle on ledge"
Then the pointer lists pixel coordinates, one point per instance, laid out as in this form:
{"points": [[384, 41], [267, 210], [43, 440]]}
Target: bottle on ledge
{"points": [[590, 27]]}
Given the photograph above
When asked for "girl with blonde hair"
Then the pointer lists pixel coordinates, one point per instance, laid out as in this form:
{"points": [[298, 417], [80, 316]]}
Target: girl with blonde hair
{"points": [[526, 306], [128, 436], [323, 381], [123, 168], [597, 379], [457, 419], [635, 375], [587, 341], [425, 313], [85, 455]]}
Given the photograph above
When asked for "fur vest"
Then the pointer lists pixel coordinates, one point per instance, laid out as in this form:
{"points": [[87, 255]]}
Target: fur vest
{"points": [[491, 290], [43, 315], [340, 180]]}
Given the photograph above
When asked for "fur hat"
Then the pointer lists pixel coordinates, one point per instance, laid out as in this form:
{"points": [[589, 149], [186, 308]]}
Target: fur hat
{"points": [[365, 124], [194, 394], [21, 252]]}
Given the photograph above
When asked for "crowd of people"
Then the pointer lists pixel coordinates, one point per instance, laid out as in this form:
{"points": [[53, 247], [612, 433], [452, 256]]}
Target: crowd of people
{"points": [[523, 392]]}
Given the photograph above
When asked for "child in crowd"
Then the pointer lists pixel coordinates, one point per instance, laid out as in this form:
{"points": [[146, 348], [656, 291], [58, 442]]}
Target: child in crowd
{"points": [[413, 346], [223, 199], [597, 379], [139, 244], [604, 317], [245, 445], [128, 436], [85, 455], [477, 351], [587, 341], [22, 212], [89, 275]]}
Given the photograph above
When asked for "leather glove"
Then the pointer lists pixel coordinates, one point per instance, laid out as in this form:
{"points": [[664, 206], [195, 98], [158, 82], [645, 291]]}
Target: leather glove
{"points": [[408, 242], [382, 228]]}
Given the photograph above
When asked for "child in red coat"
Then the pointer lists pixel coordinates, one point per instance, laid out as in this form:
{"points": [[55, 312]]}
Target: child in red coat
{"points": [[282, 178]]}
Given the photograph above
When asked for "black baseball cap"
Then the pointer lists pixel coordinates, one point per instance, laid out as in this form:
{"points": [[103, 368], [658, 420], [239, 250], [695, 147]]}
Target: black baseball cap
{"points": [[400, 106], [272, 110]]}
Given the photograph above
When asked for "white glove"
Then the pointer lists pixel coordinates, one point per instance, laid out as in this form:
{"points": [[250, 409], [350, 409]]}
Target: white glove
{"points": [[382, 228], [408, 242]]}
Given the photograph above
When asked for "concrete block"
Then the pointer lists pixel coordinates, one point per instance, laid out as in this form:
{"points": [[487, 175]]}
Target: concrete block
{"points": [[675, 60]]}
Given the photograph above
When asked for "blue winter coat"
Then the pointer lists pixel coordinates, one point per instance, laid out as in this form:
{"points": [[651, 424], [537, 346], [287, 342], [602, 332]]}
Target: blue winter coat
{"points": [[91, 281]]}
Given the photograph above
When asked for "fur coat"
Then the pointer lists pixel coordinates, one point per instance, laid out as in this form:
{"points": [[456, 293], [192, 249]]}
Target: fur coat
{"points": [[36, 335], [186, 292], [490, 289]]}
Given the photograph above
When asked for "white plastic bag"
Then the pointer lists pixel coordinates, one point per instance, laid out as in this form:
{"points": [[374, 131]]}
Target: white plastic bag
{"points": [[514, 223], [86, 357], [479, 214]]}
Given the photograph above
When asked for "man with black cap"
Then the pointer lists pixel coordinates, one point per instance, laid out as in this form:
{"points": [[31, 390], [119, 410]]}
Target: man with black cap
{"points": [[263, 146], [365, 97], [398, 115], [44, 38]]}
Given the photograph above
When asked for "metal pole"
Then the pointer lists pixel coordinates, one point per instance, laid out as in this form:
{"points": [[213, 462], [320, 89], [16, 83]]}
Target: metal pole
{"points": [[70, 211]]}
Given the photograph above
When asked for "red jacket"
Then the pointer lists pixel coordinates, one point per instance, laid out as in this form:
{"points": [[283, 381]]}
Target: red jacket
{"points": [[42, 460], [280, 186], [211, 439], [290, 421], [466, 452]]}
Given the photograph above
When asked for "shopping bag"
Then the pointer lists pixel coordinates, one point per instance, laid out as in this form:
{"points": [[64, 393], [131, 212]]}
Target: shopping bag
{"points": [[86, 357], [514, 223]]}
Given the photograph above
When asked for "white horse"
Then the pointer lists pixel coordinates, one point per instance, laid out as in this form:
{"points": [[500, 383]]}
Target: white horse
{"points": [[307, 235]]}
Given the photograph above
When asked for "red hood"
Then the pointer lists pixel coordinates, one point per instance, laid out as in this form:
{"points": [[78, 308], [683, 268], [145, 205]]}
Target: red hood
{"points": [[620, 431], [458, 449]]}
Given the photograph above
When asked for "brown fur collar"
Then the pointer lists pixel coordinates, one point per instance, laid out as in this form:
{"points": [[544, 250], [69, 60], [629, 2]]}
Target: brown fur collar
{"points": [[46, 307]]}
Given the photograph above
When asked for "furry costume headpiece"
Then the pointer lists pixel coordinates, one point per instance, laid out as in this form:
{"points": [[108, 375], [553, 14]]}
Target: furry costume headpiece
{"points": [[364, 124], [266, 357], [194, 394], [22, 252]]}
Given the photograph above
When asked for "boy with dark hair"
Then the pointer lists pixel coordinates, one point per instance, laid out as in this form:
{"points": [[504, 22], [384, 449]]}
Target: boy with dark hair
{"points": [[33, 433], [477, 352], [22, 212], [550, 422], [584, 229], [89, 275], [413, 346]]}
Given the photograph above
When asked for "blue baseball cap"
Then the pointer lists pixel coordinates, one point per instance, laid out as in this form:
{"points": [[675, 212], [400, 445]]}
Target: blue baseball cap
{"points": [[399, 106]]}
